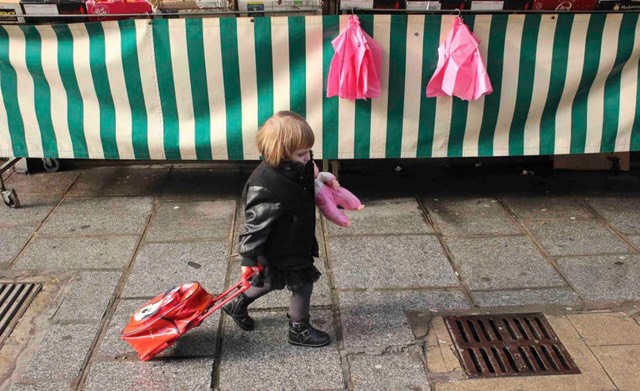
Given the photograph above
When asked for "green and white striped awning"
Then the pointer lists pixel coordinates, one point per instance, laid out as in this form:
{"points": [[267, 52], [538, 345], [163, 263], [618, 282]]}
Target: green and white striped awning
{"points": [[199, 88]]}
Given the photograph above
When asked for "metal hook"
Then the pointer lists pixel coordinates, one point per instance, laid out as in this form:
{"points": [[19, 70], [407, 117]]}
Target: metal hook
{"points": [[459, 12]]}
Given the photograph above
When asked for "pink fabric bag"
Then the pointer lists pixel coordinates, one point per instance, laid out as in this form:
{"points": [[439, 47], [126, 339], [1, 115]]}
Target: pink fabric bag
{"points": [[354, 72], [461, 71]]}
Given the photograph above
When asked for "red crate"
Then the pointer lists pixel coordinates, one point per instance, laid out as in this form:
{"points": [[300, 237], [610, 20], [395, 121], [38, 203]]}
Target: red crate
{"points": [[104, 8]]}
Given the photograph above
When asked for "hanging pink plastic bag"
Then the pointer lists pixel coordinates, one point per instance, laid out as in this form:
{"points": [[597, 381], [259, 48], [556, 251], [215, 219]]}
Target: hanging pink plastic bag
{"points": [[355, 68], [461, 71]]}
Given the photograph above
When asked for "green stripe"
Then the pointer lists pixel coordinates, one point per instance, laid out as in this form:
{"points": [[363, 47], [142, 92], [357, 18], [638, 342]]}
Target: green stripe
{"points": [[131, 68], [41, 91], [495, 63], [9, 86], [166, 88], [430, 43], [330, 30], [526, 73], [397, 71], [297, 65], [557, 79], [264, 68], [199, 92], [98, 64], [635, 129], [362, 131], [589, 72], [612, 85], [232, 95], [459, 114]]}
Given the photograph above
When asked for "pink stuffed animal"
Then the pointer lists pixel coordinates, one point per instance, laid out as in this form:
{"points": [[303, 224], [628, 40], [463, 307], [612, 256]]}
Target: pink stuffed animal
{"points": [[329, 195]]}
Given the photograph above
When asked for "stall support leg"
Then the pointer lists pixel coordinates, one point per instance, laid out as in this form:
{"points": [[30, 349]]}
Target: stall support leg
{"points": [[335, 166], [9, 196]]}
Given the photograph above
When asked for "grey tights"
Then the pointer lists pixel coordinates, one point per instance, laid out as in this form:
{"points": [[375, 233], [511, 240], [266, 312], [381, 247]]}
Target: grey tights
{"points": [[298, 305]]}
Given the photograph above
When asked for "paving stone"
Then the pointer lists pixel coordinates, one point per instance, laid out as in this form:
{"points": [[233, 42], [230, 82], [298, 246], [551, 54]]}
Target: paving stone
{"points": [[121, 180], [375, 319], [34, 208], [560, 296], [621, 363], [71, 342], [160, 266], [193, 374], [95, 216], [12, 240], [89, 296], [576, 237], [394, 216], [603, 277], [542, 207], [622, 212], [606, 328], [388, 372], [502, 263], [77, 253], [199, 341], [390, 261], [191, 220], [205, 184], [263, 359], [475, 216], [43, 182], [635, 240], [40, 386]]}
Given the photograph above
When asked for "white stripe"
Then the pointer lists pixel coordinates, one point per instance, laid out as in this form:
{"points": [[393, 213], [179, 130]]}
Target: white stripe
{"points": [[628, 96], [280, 54], [595, 104], [513, 42], [575, 62], [248, 86], [475, 109], [382, 35], [25, 91], [215, 87], [444, 104], [149, 82], [182, 86], [413, 89], [91, 114], [542, 75], [315, 82], [118, 85], [59, 104], [6, 149], [346, 116]]}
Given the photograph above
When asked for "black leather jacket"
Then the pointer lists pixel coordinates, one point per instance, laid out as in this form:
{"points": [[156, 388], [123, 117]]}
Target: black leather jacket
{"points": [[280, 217]]}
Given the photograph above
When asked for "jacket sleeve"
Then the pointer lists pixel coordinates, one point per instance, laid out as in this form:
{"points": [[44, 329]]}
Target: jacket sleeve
{"points": [[261, 212]]}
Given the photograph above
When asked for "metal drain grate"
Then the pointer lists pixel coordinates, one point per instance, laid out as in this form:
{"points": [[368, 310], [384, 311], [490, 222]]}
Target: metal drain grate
{"points": [[509, 345], [14, 300]]}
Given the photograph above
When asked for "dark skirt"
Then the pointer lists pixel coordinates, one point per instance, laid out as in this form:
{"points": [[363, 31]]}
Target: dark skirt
{"points": [[274, 278]]}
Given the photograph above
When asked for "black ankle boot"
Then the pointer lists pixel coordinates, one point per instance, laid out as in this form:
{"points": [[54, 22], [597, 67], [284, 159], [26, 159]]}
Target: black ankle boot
{"points": [[303, 334], [237, 310]]}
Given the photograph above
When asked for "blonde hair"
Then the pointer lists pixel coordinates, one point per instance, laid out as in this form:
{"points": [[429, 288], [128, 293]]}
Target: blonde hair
{"points": [[281, 135]]}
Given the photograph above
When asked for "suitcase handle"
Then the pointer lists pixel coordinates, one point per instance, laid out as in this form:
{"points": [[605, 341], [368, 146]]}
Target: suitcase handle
{"points": [[231, 293]]}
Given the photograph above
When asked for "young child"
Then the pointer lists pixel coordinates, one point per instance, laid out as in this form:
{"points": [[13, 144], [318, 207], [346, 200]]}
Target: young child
{"points": [[280, 226]]}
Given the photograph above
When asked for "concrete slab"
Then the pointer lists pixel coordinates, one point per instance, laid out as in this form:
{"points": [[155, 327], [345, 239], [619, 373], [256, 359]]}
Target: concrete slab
{"points": [[617, 276], [388, 372], [635, 240], [198, 342], [12, 240], [559, 296], [389, 261], [543, 207], [393, 216], [121, 180], [502, 263], [576, 237], [43, 182], [34, 208], [470, 216], [191, 220], [205, 184], [263, 359], [160, 266], [42, 386], [62, 353], [193, 374], [377, 319], [622, 363], [612, 328], [112, 252], [89, 296], [99, 216], [622, 212]]}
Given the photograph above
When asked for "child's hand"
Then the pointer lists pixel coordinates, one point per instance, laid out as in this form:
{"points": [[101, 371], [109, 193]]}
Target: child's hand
{"points": [[254, 268], [329, 179]]}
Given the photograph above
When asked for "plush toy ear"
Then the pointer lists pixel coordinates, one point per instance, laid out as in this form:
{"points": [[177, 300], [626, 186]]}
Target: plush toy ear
{"points": [[346, 199], [329, 209]]}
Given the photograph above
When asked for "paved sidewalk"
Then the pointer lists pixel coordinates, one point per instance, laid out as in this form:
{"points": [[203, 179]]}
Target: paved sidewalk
{"points": [[432, 241]]}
